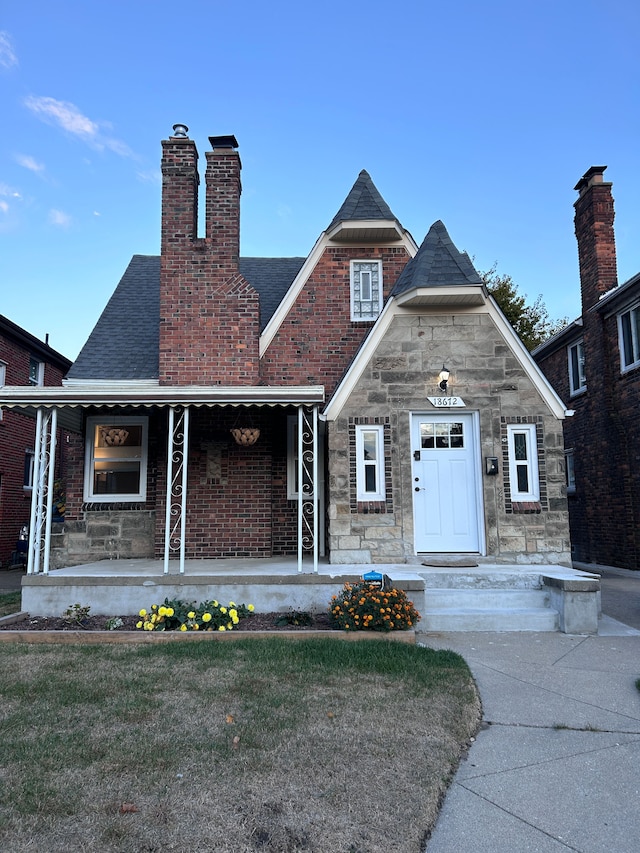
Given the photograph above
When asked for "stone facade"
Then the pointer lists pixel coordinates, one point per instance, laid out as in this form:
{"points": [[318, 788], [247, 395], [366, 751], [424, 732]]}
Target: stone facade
{"points": [[491, 381]]}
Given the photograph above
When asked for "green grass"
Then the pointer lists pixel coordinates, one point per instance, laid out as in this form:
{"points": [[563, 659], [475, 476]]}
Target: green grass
{"points": [[272, 745], [10, 603]]}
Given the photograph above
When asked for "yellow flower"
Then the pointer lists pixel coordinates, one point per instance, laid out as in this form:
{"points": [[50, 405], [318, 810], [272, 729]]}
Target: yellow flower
{"points": [[169, 611], [250, 608], [183, 627], [233, 613], [143, 612], [162, 611], [206, 617], [191, 615], [232, 604], [222, 628], [196, 627], [223, 610], [148, 626], [139, 624], [215, 603]]}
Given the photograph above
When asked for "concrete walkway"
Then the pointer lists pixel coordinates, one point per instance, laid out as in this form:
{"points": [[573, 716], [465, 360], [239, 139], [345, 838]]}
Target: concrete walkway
{"points": [[556, 764]]}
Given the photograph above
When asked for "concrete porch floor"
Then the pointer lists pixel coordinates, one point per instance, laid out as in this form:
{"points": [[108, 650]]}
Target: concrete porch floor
{"points": [[466, 597]]}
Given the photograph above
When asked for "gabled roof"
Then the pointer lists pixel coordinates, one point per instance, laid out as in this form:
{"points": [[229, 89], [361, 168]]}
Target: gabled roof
{"points": [[124, 344], [364, 202], [28, 341], [437, 264]]}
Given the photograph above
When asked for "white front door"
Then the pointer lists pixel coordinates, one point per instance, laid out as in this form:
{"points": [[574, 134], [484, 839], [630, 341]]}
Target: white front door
{"points": [[445, 482]]}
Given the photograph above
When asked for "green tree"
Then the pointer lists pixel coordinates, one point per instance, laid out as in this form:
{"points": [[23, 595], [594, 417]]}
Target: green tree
{"points": [[532, 322]]}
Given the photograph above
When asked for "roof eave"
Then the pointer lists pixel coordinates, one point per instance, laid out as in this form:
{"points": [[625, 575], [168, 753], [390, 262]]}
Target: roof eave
{"points": [[471, 294], [216, 395], [366, 231]]}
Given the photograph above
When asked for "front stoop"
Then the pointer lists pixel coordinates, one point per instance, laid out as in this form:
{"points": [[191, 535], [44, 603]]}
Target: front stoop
{"points": [[501, 598]]}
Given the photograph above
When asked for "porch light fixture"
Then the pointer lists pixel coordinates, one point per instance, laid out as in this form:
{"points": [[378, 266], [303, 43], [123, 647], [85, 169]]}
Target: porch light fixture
{"points": [[443, 378]]}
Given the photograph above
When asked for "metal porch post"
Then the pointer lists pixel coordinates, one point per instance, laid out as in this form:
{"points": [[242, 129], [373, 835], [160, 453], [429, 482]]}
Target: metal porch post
{"points": [[42, 492], [176, 499], [308, 484]]}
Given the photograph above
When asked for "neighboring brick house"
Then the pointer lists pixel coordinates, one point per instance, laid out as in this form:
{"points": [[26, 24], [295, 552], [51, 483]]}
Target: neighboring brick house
{"points": [[24, 360], [384, 409], [594, 364]]}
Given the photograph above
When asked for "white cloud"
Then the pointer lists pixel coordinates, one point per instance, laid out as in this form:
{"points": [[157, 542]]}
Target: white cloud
{"points": [[63, 113], [29, 163], [8, 58], [6, 190], [66, 115], [59, 218], [4, 207], [96, 213]]}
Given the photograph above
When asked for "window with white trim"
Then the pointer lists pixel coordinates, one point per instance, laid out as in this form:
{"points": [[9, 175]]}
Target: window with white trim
{"points": [[370, 463], [523, 462], [29, 461], [292, 457], [570, 471], [3, 379], [116, 459], [366, 290], [36, 371], [577, 377], [629, 338], [292, 463]]}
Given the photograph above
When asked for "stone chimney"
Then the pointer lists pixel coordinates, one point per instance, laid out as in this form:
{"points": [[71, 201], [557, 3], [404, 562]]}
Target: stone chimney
{"points": [[209, 314], [594, 216]]}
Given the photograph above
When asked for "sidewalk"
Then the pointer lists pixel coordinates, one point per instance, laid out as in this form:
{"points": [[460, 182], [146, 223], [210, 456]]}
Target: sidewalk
{"points": [[556, 764]]}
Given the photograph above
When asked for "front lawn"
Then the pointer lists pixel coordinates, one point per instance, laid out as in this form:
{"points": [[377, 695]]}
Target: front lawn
{"points": [[10, 602], [270, 745]]}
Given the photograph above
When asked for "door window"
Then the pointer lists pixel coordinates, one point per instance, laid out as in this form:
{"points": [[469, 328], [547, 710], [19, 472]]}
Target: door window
{"points": [[441, 435]]}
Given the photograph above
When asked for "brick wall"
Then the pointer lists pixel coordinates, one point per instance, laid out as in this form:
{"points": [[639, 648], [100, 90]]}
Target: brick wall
{"points": [[318, 339], [17, 434], [604, 432], [209, 315]]}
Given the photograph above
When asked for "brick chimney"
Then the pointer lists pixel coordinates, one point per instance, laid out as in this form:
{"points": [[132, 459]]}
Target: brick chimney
{"points": [[223, 199], [209, 314], [594, 216]]}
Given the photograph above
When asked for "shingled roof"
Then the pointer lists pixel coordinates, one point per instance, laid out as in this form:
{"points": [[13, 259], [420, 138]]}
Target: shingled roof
{"points": [[363, 202], [125, 341], [437, 264]]}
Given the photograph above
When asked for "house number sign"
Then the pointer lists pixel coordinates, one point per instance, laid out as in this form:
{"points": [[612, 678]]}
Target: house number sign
{"points": [[447, 402]]}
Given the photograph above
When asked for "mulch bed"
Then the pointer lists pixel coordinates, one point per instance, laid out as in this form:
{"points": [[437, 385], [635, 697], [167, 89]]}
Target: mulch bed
{"points": [[256, 622]]}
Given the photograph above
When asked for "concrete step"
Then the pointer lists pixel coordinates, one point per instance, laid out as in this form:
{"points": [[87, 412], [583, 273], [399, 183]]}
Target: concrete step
{"points": [[524, 619], [486, 599], [488, 610]]}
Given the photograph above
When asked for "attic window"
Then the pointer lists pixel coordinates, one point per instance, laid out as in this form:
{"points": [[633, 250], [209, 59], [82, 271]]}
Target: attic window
{"points": [[366, 290]]}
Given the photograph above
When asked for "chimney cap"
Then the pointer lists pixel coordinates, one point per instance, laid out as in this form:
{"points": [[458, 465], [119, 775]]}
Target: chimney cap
{"points": [[592, 176], [180, 131], [223, 141]]}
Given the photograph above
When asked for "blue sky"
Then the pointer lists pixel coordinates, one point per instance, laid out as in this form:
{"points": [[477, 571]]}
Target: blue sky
{"points": [[484, 115]]}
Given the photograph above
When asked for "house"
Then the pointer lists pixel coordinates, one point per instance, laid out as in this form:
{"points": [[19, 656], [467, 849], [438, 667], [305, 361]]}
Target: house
{"points": [[366, 404], [594, 364], [32, 363]]}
